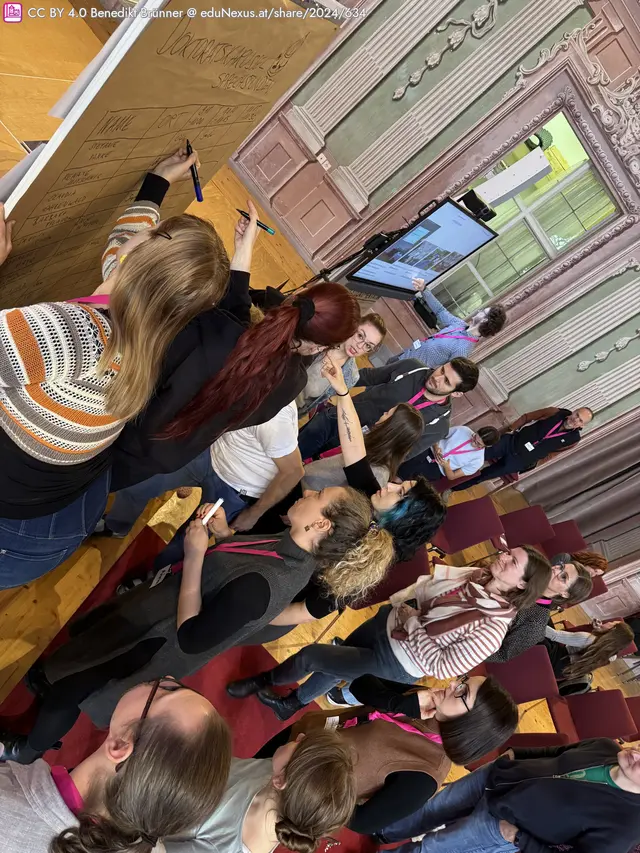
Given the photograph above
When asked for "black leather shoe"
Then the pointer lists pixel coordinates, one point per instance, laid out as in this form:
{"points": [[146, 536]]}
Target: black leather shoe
{"points": [[249, 686], [36, 681], [16, 748], [282, 706]]}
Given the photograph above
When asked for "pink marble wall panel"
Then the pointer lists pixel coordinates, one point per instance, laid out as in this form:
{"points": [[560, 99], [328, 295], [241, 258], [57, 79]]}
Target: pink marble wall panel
{"points": [[273, 160], [318, 215]]}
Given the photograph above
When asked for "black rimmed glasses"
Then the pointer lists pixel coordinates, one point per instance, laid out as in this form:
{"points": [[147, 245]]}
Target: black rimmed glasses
{"points": [[462, 690]]}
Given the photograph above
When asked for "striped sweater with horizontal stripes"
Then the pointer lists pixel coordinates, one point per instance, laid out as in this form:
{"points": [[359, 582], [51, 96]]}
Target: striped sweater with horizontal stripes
{"points": [[451, 653], [52, 398]]}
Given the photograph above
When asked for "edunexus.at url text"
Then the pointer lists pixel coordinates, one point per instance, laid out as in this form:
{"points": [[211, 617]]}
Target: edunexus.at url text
{"points": [[310, 12]]}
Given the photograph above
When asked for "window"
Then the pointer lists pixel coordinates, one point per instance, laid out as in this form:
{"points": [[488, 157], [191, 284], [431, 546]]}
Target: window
{"points": [[535, 226]]}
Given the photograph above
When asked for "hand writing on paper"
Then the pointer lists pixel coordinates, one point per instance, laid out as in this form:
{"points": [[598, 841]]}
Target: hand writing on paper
{"points": [[176, 167], [244, 239], [6, 229], [196, 540]]}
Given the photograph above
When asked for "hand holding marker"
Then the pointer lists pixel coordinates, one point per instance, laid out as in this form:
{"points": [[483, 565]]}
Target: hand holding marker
{"points": [[212, 512], [258, 223], [194, 175]]}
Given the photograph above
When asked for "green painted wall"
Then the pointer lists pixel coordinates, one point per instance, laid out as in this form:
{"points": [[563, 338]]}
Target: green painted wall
{"points": [[563, 378], [479, 108], [375, 20]]}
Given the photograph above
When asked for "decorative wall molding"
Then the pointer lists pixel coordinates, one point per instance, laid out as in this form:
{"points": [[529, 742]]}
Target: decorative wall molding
{"points": [[619, 109], [459, 89], [606, 389], [620, 117], [569, 337], [588, 249], [483, 20], [493, 386], [365, 68], [603, 355]]}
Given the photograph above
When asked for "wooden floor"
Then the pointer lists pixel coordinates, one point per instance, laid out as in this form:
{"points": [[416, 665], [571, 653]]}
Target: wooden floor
{"points": [[38, 59]]}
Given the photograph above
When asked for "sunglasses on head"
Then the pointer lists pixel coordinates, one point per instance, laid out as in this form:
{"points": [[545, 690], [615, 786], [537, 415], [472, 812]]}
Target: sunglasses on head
{"points": [[169, 685]]}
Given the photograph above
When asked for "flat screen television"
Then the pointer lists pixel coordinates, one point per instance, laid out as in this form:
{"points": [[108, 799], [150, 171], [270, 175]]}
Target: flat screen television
{"points": [[428, 249]]}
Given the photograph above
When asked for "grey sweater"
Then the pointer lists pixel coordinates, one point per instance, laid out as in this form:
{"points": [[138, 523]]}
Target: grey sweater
{"points": [[32, 812]]}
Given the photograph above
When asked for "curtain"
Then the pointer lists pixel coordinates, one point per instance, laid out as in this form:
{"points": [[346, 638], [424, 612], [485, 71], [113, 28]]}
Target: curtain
{"points": [[598, 485]]}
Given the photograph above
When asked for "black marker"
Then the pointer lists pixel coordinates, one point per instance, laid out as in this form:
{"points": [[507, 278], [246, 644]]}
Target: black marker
{"points": [[194, 174], [258, 223]]}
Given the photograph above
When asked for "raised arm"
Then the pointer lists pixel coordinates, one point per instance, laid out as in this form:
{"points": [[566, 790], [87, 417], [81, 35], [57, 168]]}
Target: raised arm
{"points": [[349, 429], [237, 300], [444, 317], [145, 210]]}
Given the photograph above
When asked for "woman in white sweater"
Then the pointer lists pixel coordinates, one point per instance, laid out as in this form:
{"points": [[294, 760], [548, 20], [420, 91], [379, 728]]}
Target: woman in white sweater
{"points": [[162, 768], [461, 618]]}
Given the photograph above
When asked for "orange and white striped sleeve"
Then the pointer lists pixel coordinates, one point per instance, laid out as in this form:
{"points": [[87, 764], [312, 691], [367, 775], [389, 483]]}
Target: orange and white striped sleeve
{"points": [[137, 217]]}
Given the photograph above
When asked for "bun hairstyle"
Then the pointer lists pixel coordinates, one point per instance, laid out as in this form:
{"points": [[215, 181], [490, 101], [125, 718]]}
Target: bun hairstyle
{"points": [[169, 784], [325, 314], [357, 553], [320, 792], [180, 271]]}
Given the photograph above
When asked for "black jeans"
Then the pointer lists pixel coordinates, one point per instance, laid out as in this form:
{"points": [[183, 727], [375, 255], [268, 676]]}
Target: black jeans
{"points": [[319, 434], [424, 465], [60, 707], [365, 651]]}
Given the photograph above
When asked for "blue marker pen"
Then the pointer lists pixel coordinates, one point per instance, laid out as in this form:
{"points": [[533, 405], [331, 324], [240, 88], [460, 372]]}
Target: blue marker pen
{"points": [[194, 174], [258, 223]]}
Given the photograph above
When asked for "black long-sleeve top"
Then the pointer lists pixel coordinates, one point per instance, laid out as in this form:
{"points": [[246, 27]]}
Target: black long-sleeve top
{"points": [[198, 352]]}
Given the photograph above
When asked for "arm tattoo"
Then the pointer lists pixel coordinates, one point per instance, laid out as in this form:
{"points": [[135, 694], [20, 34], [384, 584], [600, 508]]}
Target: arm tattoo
{"points": [[347, 424]]}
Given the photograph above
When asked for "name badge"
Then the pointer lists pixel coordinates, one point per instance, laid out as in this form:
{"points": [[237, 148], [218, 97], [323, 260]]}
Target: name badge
{"points": [[529, 446], [416, 344]]}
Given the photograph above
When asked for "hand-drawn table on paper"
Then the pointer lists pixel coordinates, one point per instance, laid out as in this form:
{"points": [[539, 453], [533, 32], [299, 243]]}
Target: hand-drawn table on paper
{"points": [[210, 81]]}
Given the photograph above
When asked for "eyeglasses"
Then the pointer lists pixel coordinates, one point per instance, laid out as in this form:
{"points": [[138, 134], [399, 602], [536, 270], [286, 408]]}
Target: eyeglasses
{"points": [[462, 690], [366, 345], [559, 572], [169, 685]]}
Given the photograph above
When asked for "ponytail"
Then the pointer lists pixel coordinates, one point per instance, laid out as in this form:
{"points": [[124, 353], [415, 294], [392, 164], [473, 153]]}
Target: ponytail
{"points": [[320, 792], [357, 554], [599, 653], [170, 783], [325, 314]]}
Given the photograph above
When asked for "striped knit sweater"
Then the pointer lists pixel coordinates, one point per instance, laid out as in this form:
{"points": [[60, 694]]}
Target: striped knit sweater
{"points": [[52, 400], [449, 654]]}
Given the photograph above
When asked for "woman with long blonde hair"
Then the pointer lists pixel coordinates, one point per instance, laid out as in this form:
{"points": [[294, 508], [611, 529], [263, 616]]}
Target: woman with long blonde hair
{"points": [[72, 373], [575, 654]]}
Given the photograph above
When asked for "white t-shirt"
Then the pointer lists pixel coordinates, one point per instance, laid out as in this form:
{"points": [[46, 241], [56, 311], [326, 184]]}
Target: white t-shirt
{"points": [[469, 463], [243, 458]]}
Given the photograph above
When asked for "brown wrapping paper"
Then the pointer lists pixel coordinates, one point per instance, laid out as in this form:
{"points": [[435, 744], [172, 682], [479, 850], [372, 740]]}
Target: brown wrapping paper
{"points": [[211, 79]]}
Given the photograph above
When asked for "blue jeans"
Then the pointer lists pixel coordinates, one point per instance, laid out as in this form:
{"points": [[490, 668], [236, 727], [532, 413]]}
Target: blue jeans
{"points": [[319, 434], [32, 547], [130, 503], [365, 651], [462, 807]]}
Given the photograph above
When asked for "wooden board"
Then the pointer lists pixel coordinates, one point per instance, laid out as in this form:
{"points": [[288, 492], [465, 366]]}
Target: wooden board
{"points": [[211, 79]]}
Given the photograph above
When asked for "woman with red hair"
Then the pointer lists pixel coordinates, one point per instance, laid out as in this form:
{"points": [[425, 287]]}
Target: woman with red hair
{"points": [[263, 373]]}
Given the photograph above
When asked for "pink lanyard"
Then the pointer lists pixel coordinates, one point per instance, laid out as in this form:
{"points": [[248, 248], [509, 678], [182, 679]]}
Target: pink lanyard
{"points": [[98, 299], [455, 337], [458, 450], [427, 402], [552, 433], [236, 548], [395, 719]]}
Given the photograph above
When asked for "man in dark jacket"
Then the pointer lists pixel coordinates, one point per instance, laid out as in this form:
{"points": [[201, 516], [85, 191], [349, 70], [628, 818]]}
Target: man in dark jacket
{"points": [[586, 795], [531, 439], [430, 391]]}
